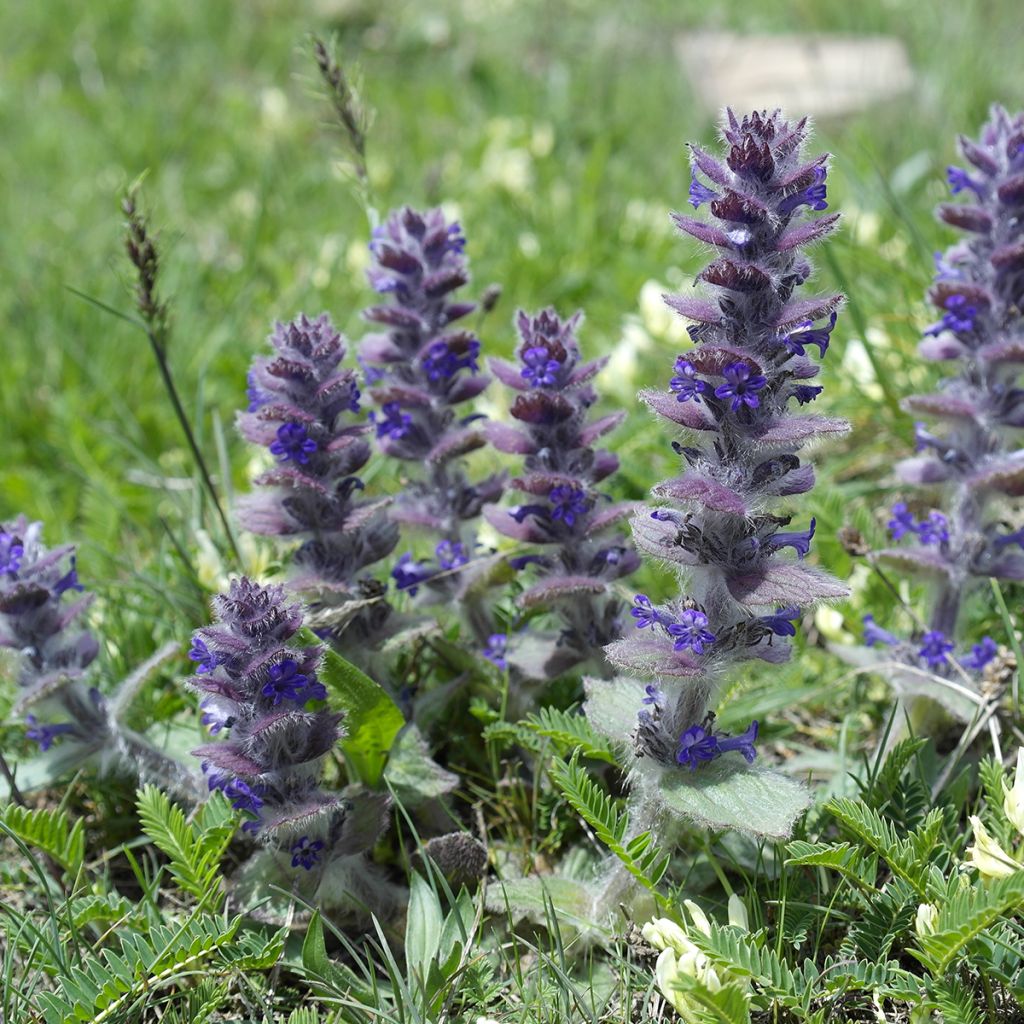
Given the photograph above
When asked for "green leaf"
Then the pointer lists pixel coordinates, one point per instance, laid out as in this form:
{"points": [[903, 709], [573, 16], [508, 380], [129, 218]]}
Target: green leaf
{"points": [[571, 731], [423, 926], [727, 794], [413, 774], [372, 720], [571, 900], [50, 831]]}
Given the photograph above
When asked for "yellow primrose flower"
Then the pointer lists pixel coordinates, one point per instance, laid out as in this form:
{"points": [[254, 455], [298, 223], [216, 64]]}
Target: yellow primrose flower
{"points": [[1013, 801], [991, 860]]}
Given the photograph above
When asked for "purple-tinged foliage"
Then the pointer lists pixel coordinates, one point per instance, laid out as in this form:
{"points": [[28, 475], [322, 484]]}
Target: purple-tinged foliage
{"points": [[262, 689], [971, 458], [736, 393], [575, 523], [41, 604], [304, 409], [424, 369]]}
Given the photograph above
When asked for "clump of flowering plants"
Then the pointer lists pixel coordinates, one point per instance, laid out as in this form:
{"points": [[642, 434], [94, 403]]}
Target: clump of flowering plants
{"points": [[304, 408], [970, 463], [260, 688], [738, 396], [565, 512], [422, 370]]}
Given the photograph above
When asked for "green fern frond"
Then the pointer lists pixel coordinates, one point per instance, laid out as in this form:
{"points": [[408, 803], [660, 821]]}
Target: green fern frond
{"points": [[105, 909], [955, 1001], [571, 731], [610, 821], [50, 831], [886, 915], [740, 954], [847, 860]]}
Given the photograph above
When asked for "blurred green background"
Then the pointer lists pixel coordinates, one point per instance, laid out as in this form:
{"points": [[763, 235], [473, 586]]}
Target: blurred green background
{"points": [[557, 132]]}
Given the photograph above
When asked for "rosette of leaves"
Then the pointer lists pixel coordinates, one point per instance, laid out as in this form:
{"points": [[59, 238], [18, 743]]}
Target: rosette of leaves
{"points": [[969, 463], [42, 604], [737, 397], [422, 368], [565, 513], [260, 688], [304, 408]]}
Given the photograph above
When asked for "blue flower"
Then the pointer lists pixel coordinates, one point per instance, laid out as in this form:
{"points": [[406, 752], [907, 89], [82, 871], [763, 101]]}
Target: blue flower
{"points": [[568, 503], [959, 180], [442, 363], [256, 395], [934, 529], [293, 443], [690, 632], [874, 634], [393, 423], [686, 384], [286, 682], [645, 613], [44, 735], [539, 368], [805, 393], [11, 553], [699, 744], [451, 554], [215, 719], [740, 386], [653, 696], [902, 521], [699, 193], [934, 648], [959, 317], [69, 581], [408, 574], [208, 660], [782, 623], [797, 341], [799, 540], [812, 196], [981, 654], [496, 650], [306, 853]]}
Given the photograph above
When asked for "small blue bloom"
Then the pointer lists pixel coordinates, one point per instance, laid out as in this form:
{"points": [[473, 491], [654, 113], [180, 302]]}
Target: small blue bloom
{"points": [[740, 386], [293, 443], [306, 853], [44, 735], [981, 654], [645, 613], [699, 744], [690, 632], [442, 363], [902, 521], [286, 682], [874, 634], [934, 529], [208, 660], [946, 271], [451, 554], [782, 623], [959, 180], [797, 341], [393, 423], [812, 196], [408, 574], [11, 553], [69, 581], [653, 696], [568, 503], [214, 719], [256, 395], [1017, 537], [686, 384], [539, 369], [799, 540], [934, 648], [805, 393], [959, 316], [700, 193], [496, 649]]}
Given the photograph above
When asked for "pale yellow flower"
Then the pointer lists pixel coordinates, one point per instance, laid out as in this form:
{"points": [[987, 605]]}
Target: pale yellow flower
{"points": [[1013, 801], [694, 964], [991, 860], [927, 919], [738, 913], [662, 933]]}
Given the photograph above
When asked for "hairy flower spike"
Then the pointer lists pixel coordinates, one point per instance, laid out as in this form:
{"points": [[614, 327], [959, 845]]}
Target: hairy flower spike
{"points": [[258, 690], [745, 582], [422, 369], [304, 408], [567, 514], [971, 455]]}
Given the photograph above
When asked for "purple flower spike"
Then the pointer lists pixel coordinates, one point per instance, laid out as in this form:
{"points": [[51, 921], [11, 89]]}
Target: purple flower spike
{"points": [[539, 369], [934, 648], [293, 443], [874, 634], [691, 632], [981, 654], [741, 385], [686, 385]]}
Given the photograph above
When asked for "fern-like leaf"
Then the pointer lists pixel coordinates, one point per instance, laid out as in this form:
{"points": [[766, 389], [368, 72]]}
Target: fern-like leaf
{"points": [[571, 731], [50, 831]]}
